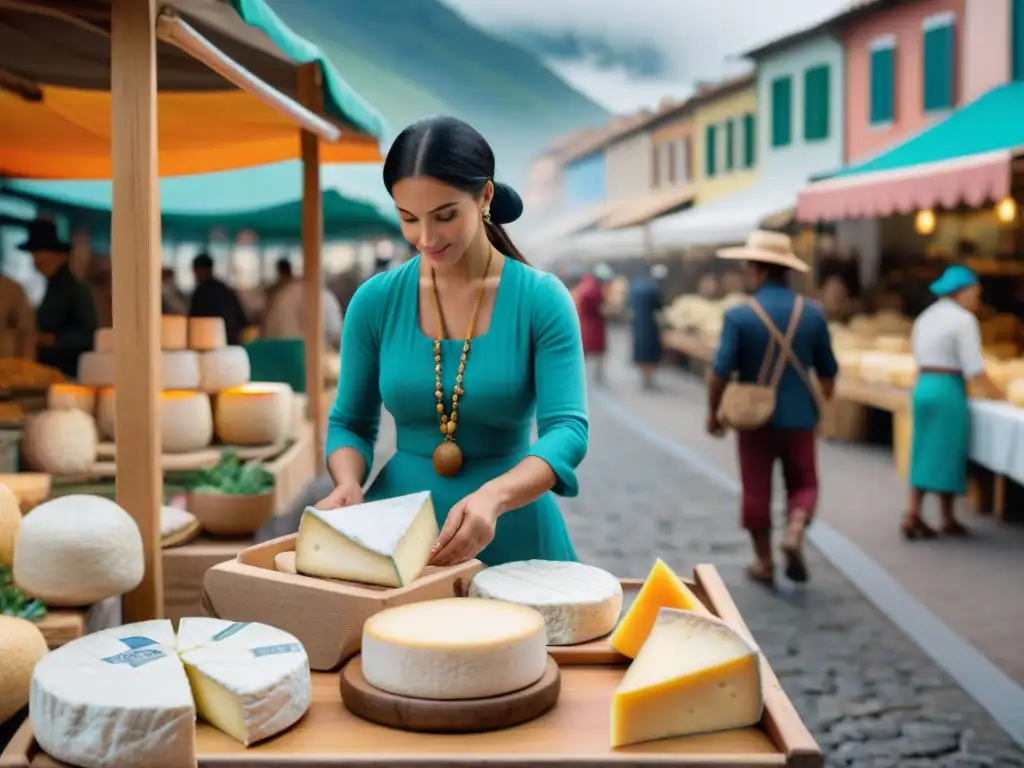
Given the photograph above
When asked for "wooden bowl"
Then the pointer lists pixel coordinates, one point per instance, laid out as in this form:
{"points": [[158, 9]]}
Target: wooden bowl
{"points": [[225, 514]]}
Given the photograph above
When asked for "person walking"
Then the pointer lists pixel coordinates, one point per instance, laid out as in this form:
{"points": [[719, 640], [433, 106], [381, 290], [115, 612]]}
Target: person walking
{"points": [[214, 298], [645, 301], [771, 342], [946, 342], [589, 296]]}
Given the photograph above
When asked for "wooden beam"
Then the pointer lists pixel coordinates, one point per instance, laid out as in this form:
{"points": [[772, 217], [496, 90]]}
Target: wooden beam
{"points": [[311, 96], [135, 272]]}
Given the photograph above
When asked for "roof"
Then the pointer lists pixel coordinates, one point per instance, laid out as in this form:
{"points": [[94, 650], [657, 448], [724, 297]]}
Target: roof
{"points": [[966, 158], [64, 58]]}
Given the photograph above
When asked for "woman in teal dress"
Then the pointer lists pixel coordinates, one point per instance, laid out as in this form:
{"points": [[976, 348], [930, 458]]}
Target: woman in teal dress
{"points": [[463, 345]]}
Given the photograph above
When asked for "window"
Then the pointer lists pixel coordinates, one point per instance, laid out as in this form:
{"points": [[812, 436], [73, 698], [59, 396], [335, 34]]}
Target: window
{"points": [[656, 166], [673, 171], [782, 108], [685, 174], [882, 94], [710, 139], [816, 103], [939, 61], [1017, 25], [749, 140], [730, 145]]}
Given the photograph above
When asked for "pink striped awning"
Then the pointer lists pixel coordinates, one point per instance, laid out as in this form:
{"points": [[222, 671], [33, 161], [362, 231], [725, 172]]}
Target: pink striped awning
{"points": [[975, 180]]}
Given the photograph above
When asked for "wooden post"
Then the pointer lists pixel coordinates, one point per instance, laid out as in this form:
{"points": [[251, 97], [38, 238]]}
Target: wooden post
{"points": [[311, 97], [135, 268]]}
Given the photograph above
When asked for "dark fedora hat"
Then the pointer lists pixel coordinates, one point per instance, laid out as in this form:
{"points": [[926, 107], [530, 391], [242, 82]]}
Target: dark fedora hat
{"points": [[42, 236]]}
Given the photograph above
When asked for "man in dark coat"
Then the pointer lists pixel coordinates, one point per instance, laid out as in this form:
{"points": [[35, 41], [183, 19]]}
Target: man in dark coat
{"points": [[213, 298], [645, 301]]}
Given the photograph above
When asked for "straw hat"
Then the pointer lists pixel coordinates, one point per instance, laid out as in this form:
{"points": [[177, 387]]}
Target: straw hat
{"points": [[767, 248]]}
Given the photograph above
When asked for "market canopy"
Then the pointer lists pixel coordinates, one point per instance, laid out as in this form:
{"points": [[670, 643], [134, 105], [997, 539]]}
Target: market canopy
{"points": [[640, 210], [965, 159], [55, 100], [265, 200]]}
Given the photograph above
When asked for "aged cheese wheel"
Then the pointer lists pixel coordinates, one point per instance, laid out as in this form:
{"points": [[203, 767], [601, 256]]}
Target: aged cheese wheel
{"points": [[60, 442], [173, 332], [180, 370], [892, 343], [103, 340], [186, 421], [255, 414], [1015, 392], [62, 397], [96, 369], [206, 333], [10, 521], [224, 368], [22, 645]]}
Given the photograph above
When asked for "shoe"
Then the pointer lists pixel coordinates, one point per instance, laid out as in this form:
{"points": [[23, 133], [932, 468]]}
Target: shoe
{"points": [[913, 527]]}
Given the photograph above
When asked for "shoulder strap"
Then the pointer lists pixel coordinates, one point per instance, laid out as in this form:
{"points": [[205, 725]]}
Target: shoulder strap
{"points": [[786, 349]]}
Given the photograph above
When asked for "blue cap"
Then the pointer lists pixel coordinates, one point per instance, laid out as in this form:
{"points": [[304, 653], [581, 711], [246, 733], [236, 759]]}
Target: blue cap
{"points": [[953, 280]]}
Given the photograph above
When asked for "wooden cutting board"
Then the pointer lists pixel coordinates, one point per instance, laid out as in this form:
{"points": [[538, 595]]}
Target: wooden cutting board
{"points": [[437, 716]]}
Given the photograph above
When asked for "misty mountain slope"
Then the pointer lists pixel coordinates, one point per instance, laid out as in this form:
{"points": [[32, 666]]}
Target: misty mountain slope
{"points": [[413, 58]]}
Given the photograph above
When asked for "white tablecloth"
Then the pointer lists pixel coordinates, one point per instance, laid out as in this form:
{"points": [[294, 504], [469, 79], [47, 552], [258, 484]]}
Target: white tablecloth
{"points": [[997, 438]]}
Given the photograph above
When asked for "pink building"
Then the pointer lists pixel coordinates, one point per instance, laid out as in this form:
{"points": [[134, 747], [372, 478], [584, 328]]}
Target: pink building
{"points": [[902, 71]]}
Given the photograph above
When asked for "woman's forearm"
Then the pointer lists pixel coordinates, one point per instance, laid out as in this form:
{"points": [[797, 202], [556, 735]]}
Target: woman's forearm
{"points": [[346, 466], [527, 481], [989, 387]]}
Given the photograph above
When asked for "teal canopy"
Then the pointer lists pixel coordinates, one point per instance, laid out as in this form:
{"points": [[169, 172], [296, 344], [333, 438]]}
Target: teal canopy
{"points": [[265, 200]]}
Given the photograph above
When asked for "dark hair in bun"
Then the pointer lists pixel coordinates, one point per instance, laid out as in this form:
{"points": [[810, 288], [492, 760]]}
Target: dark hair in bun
{"points": [[453, 152]]}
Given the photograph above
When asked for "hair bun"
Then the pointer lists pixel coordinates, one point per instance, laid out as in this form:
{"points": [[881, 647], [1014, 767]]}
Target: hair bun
{"points": [[506, 206]]}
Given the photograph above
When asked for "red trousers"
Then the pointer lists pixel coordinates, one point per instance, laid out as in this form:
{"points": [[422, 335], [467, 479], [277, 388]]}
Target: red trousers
{"points": [[759, 449]]}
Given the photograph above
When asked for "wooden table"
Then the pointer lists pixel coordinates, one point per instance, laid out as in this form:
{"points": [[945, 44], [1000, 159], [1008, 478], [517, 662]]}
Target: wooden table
{"points": [[893, 400]]}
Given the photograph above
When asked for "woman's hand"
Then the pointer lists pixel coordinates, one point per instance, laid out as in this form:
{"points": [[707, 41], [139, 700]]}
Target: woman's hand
{"points": [[345, 495], [468, 529]]}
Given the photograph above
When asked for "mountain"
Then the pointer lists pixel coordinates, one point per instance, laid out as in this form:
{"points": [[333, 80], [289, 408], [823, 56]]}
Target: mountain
{"points": [[414, 58], [637, 59]]}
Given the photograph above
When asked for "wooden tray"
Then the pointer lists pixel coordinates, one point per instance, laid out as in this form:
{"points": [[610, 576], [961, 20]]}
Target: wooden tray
{"points": [[574, 734], [326, 615]]}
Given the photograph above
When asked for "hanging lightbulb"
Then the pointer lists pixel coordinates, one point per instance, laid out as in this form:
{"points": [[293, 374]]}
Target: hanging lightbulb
{"points": [[924, 222], [1006, 210]]}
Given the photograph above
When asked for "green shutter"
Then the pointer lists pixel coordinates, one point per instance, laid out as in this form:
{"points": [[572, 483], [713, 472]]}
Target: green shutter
{"points": [[1017, 24], [749, 141], [710, 138], [730, 142], [939, 65], [816, 103], [782, 111], [883, 86]]}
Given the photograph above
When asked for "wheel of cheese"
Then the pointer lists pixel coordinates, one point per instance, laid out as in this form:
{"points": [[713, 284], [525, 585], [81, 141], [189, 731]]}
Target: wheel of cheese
{"points": [[22, 645], [186, 421], [206, 333], [10, 521], [62, 397], [180, 370], [455, 648], [254, 414], [223, 369], [578, 602], [103, 340], [77, 550], [1015, 392], [173, 332], [105, 412], [96, 369], [60, 442]]}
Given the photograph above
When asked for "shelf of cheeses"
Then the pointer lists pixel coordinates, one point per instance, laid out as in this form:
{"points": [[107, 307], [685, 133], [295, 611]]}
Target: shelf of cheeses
{"points": [[694, 314]]}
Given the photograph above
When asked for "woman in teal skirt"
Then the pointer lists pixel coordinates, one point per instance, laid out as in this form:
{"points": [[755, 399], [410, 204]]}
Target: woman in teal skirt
{"points": [[946, 341], [464, 345]]}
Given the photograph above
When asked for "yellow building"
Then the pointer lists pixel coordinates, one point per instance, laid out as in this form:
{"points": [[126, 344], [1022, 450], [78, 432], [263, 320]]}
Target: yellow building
{"points": [[725, 138]]}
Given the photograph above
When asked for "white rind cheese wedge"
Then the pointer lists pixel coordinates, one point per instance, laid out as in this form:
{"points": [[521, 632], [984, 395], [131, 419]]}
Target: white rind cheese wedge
{"points": [[454, 648], [127, 697], [176, 526], [694, 674], [386, 543], [578, 602]]}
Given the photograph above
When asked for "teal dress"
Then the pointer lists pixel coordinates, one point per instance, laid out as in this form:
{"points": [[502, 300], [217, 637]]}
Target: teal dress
{"points": [[529, 362]]}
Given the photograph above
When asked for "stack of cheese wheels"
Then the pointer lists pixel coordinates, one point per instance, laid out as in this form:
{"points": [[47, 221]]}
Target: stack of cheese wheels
{"points": [[260, 413], [62, 397], [186, 419], [892, 369]]}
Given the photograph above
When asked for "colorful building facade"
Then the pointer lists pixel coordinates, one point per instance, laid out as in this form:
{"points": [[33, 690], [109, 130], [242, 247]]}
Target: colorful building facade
{"points": [[724, 122]]}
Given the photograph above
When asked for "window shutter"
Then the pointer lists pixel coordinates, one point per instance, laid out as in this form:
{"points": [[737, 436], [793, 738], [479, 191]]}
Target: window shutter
{"points": [[883, 86], [782, 109], [710, 139], [1017, 24], [816, 103], [730, 143], [749, 140], [938, 67]]}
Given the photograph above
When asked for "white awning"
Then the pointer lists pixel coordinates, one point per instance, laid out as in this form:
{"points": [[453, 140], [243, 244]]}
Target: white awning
{"points": [[728, 220], [599, 245]]}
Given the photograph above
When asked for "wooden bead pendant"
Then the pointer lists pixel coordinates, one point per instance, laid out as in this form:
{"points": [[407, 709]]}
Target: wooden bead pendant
{"points": [[447, 459]]}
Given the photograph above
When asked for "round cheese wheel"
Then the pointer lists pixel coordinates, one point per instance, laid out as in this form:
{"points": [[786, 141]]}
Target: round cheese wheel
{"points": [[22, 645], [96, 369], [255, 414], [105, 412], [60, 442], [10, 521], [223, 368], [77, 550], [186, 421], [103, 340], [173, 332], [63, 397], [1015, 392], [206, 333], [454, 648], [180, 370]]}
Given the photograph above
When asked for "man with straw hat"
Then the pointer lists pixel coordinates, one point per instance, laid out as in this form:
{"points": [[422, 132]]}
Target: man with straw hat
{"points": [[770, 343]]}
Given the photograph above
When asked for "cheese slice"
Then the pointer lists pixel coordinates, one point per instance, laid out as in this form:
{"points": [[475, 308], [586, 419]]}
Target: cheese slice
{"points": [[662, 589], [695, 674], [578, 602], [454, 648], [387, 543], [127, 697], [284, 562], [177, 526], [249, 680]]}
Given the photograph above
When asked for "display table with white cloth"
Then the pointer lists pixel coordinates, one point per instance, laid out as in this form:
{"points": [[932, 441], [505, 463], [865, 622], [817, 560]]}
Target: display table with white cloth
{"points": [[997, 444]]}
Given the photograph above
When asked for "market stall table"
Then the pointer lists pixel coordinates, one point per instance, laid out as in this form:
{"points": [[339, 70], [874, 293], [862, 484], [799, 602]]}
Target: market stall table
{"points": [[997, 444]]}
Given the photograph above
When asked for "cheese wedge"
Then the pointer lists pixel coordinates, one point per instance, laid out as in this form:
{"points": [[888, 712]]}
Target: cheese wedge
{"points": [[386, 543], [177, 527], [662, 589], [284, 562], [695, 674]]}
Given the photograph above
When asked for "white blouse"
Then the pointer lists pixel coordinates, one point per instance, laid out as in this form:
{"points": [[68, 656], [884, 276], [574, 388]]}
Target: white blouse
{"points": [[948, 336]]}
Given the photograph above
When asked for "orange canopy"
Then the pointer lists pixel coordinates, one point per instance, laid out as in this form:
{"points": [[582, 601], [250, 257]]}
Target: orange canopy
{"points": [[67, 135]]}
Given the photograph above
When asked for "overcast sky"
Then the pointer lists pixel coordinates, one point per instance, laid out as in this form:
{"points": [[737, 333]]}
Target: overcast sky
{"points": [[696, 36]]}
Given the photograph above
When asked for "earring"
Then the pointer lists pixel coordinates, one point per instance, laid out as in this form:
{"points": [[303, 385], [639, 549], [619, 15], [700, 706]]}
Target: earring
{"points": [[487, 216]]}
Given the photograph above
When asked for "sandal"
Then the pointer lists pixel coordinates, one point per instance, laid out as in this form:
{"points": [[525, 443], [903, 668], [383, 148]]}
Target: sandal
{"points": [[913, 527], [954, 528], [792, 550], [761, 573]]}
